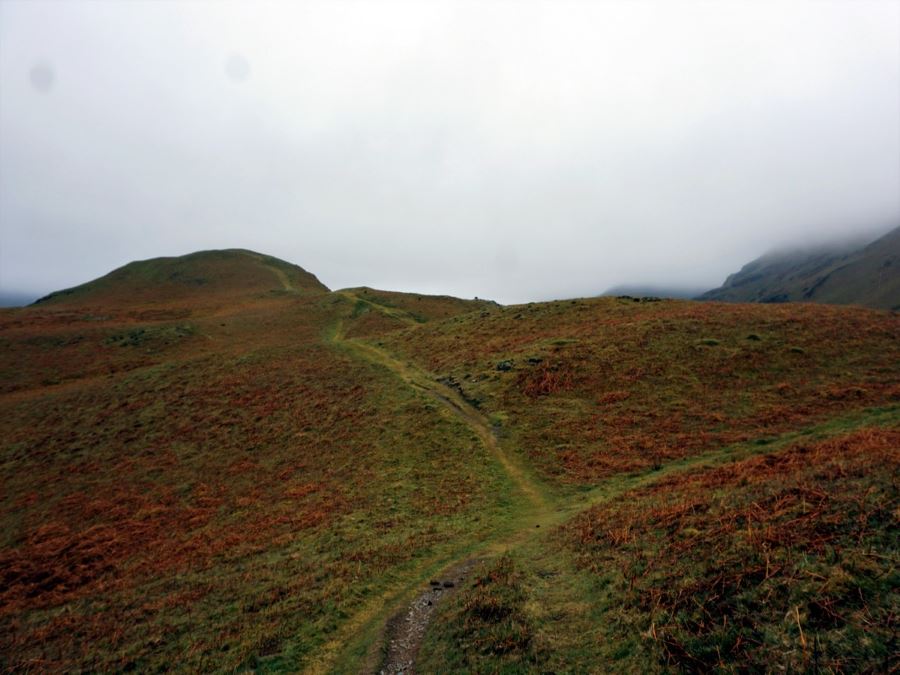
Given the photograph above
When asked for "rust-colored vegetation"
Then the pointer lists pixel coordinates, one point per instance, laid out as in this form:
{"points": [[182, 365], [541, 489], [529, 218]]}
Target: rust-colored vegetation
{"points": [[605, 386], [785, 561], [208, 478], [210, 485], [545, 380]]}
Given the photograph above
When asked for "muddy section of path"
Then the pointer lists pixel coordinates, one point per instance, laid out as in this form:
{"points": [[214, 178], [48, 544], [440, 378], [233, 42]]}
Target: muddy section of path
{"points": [[406, 629]]}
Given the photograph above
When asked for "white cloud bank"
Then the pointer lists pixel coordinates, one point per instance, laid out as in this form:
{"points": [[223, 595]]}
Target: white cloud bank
{"points": [[514, 150]]}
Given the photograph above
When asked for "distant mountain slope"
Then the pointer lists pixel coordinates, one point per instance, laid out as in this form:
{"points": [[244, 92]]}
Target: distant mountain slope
{"points": [[206, 274], [645, 290], [15, 298], [868, 275]]}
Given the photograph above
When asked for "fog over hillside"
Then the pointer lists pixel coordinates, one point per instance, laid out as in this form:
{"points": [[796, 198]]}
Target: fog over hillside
{"points": [[511, 150], [455, 336], [846, 272]]}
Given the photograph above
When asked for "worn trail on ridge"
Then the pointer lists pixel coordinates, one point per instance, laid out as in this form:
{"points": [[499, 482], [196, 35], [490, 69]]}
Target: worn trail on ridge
{"points": [[452, 400], [404, 636]]}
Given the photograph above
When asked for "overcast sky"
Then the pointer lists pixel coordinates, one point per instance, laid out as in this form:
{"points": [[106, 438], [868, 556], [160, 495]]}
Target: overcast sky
{"points": [[517, 151]]}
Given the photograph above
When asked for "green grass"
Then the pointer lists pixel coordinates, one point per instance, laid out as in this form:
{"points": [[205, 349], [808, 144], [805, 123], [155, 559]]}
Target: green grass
{"points": [[582, 610], [490, 629]]}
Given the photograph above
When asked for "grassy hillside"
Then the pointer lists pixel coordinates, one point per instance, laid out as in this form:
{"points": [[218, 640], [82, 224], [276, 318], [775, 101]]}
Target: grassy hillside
{"points": [[242, 477], [780, 558], [587, 389], [227, 487], [377, 312], [773, 562], [198, 277], [851, 275]]}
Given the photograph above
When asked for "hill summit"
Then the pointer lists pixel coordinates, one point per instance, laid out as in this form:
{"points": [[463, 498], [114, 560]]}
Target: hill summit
{"points": [[203, 275]]}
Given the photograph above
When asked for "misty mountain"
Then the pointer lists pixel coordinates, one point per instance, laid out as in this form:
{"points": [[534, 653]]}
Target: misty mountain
{"points": [[845, 274], [16, 298]]}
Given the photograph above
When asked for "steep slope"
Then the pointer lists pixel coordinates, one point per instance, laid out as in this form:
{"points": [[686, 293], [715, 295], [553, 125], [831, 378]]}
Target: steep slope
{"points": [[205, 275], [868, 275]]}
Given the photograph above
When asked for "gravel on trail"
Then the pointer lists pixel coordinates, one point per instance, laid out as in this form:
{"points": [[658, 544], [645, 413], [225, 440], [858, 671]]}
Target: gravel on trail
{"points": [[406, 629]]}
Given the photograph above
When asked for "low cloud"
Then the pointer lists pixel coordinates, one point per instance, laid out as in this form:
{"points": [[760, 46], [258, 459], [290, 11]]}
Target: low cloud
{"points": [[518, 151]]}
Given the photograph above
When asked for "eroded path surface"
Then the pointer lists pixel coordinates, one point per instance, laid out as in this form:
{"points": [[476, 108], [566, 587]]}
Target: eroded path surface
{"points": [[405, 629]]}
